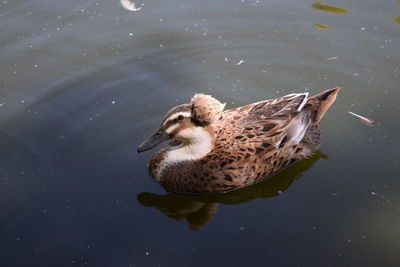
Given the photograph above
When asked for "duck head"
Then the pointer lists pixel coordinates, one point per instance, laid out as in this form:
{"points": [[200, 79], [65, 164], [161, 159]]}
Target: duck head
{"points": [[188, 126]]}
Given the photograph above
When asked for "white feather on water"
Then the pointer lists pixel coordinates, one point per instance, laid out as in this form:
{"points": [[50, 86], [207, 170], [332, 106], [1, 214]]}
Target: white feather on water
{"points": [[131, 6], [362, 118]]}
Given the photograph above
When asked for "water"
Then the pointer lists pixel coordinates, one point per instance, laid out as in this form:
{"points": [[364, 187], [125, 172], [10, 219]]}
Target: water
{"points": [[84, 82]]}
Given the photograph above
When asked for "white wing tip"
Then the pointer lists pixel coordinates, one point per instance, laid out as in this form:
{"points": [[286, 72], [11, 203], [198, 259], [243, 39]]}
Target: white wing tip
{"points": [[304, 101]]}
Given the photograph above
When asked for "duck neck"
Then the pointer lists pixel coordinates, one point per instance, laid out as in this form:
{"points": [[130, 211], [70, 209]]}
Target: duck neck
{"points": [[196, 143]]}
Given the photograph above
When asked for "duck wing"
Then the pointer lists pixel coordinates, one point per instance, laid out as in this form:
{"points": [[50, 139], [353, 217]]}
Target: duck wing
{"points": [[288, 123], [295, 120]]}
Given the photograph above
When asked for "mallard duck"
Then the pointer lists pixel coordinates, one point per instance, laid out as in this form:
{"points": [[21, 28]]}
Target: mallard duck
{"points": [[214, 151]]}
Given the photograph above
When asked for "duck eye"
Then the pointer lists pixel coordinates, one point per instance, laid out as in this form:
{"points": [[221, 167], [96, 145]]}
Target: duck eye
{"points": [[180, 117]]}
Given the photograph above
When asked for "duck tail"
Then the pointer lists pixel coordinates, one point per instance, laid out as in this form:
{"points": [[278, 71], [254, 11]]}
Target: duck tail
{"points": [[320, 103]]}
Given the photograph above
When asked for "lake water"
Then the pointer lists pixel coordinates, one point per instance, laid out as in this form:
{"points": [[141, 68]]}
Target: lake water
{"points": [[82, 83]]}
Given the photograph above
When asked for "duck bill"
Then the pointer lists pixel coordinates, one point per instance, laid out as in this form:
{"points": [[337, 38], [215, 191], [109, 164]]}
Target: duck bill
{"points": [[156, 138]]}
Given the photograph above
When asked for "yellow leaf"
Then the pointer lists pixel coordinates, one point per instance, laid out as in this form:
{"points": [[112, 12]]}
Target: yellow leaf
{"points": [[329, 8]]}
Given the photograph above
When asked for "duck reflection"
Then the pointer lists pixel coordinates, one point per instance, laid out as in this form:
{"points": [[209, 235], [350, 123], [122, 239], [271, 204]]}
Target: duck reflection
{"points": [[198, 210]]}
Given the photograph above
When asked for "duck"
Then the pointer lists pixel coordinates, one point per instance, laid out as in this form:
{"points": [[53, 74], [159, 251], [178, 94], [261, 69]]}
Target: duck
{"points": [[209, 150]]}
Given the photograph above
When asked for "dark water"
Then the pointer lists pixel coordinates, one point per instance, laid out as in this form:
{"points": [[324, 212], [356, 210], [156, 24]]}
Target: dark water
{"points": [[83, 82]]}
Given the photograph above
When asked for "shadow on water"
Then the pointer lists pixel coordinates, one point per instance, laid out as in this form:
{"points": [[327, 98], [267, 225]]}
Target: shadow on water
{"points": [[199, 210]]}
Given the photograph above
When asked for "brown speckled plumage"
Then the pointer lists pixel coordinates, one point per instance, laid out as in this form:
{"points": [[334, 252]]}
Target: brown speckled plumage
{"points": [[249, 143]]}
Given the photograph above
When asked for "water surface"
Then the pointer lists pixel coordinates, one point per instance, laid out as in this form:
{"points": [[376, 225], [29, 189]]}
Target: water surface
{"points": [[82, 83]]}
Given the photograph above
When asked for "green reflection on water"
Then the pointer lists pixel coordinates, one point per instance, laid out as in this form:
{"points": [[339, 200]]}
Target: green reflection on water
{"points": [[198, 210], [321, 26], [397, 19], [329, 8]]}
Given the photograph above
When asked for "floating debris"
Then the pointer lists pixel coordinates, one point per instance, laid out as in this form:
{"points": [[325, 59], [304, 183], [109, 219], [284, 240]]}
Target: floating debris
{"points": [[321, 26], [397, 19], [240, 62], [329, 8], [331, 58], [363, 119], [131, 6]]}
